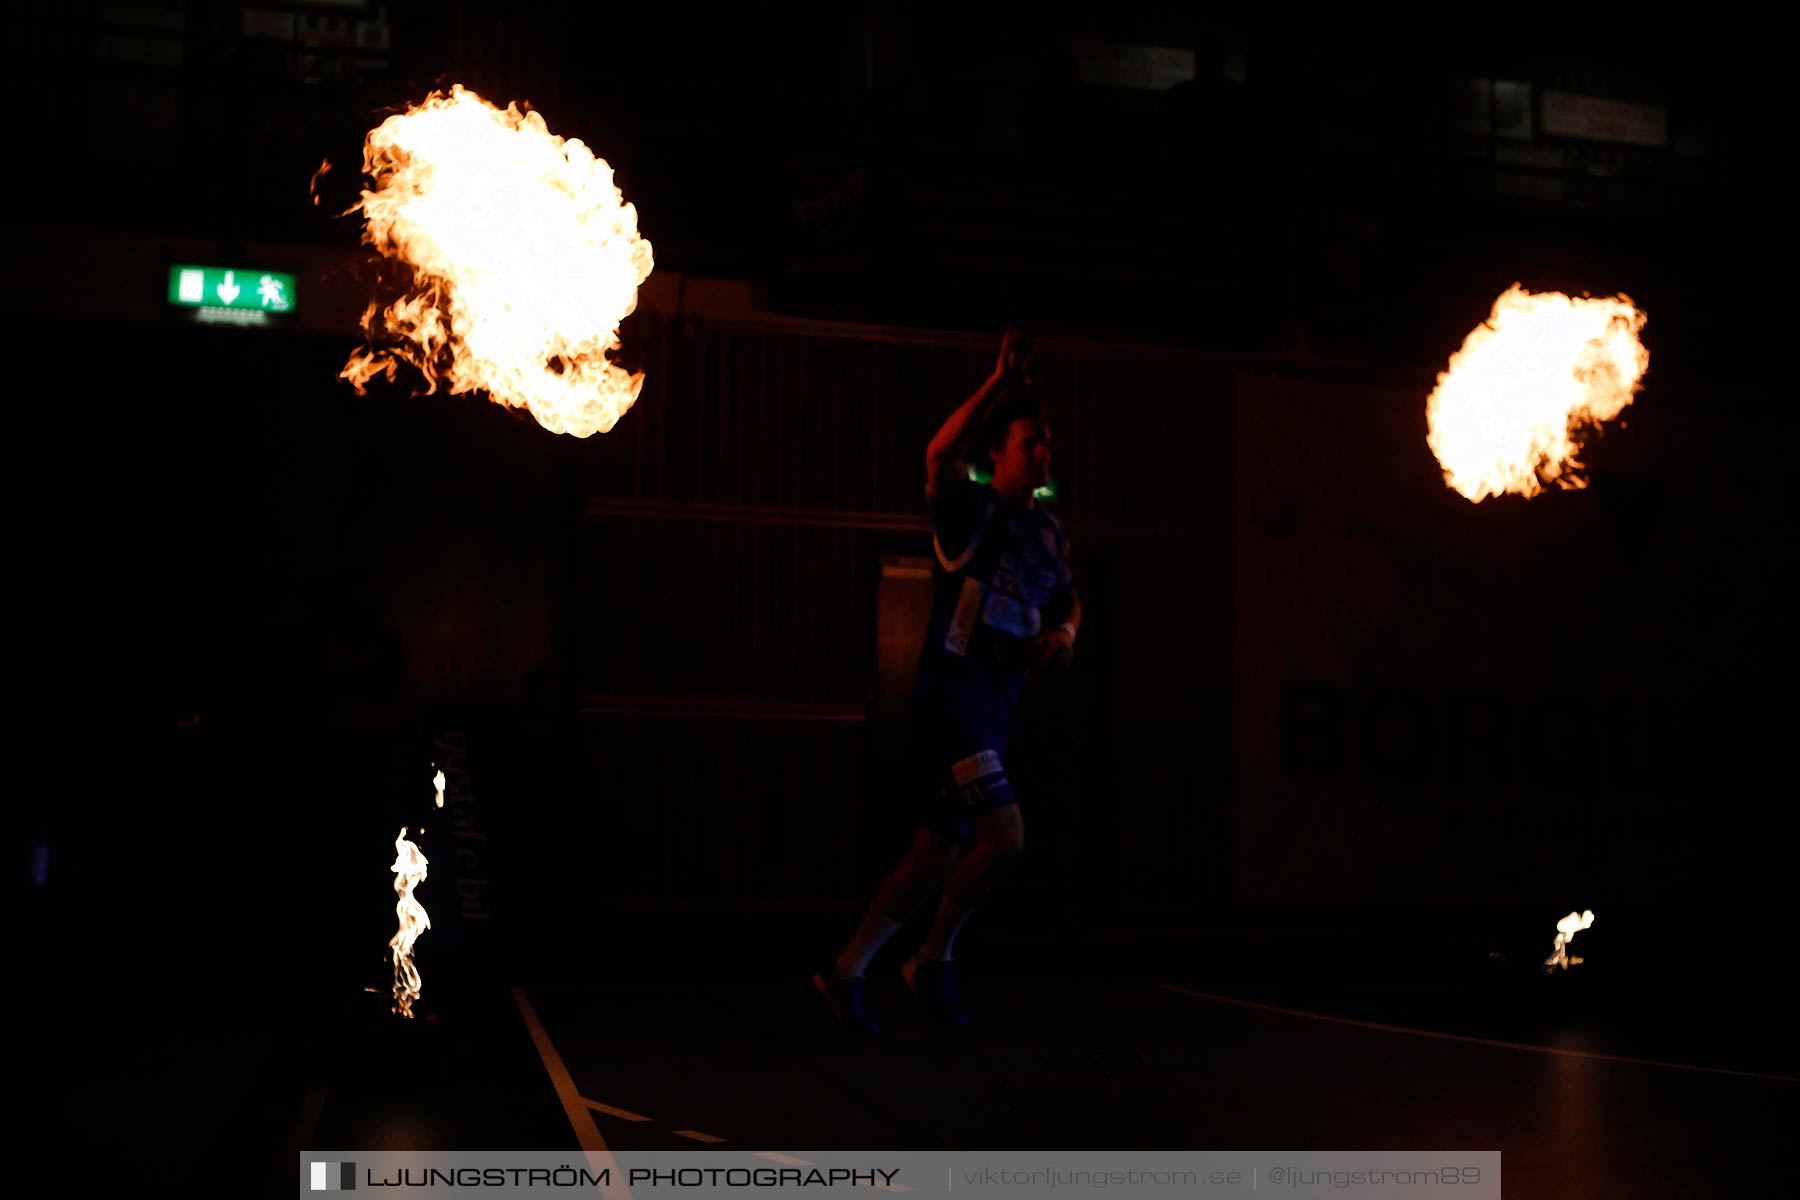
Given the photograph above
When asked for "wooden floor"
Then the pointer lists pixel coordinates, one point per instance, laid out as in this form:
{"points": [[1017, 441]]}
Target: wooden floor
{"points": [[1590, 1083]]}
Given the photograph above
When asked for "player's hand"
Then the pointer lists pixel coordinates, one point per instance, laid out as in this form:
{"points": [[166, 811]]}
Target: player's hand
{"points": [[1055, 648], [1016, 349]]}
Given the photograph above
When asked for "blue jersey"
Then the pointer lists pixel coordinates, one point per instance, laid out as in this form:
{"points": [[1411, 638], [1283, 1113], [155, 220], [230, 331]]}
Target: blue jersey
{"points": [[999, 568]]}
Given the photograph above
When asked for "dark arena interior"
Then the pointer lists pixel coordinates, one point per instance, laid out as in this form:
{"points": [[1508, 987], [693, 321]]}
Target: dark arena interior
{"points": [[1335, 750]]}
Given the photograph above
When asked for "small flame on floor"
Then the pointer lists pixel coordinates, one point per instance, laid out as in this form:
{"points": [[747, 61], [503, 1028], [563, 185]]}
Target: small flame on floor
{"points": [[437, 781], [1566, 929], [409, 871]]}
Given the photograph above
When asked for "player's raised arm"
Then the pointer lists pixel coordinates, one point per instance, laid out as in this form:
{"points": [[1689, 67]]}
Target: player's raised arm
{"points": [[951, 442]]}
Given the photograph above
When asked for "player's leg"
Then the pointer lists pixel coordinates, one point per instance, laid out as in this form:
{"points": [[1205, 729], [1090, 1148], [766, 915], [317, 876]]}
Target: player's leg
{"points": [[999, 835], [901, 894], [999, 841]]}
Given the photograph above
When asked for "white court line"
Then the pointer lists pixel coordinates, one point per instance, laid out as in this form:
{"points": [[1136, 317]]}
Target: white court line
{"points": [[586, 1132], [576, 1107], [1474, 1041], [610, 1111]]}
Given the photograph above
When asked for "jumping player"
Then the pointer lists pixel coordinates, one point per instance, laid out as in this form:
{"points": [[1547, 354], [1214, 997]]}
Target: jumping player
{"points": [[1004, 602]]}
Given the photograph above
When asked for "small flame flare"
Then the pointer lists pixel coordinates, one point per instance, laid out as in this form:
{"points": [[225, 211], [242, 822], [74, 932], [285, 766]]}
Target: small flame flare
{"points": [[1566, 929], [437, 781], [524, 259], [312, 185], [409, 871], [1511, 411]]}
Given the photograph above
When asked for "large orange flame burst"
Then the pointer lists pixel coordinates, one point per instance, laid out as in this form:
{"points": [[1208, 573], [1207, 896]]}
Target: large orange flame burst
{"points": [[524, 255], [1510, 413]]}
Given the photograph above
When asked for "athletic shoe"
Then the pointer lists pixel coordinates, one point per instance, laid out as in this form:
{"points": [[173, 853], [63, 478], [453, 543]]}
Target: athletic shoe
{"points": [[931, 980], [848, 1003]]}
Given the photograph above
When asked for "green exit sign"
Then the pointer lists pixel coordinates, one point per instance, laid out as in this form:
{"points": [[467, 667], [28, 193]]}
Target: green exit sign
{"points": [[248, 294]]}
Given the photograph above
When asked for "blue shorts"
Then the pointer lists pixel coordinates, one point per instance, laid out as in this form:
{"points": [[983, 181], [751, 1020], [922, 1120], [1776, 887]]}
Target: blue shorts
{"points": [[959, 738]]}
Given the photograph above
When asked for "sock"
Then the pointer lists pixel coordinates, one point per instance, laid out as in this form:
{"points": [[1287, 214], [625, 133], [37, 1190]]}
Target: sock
{"points": [[876, 928]]}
